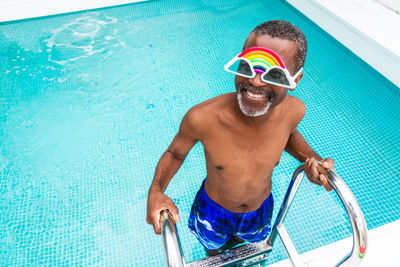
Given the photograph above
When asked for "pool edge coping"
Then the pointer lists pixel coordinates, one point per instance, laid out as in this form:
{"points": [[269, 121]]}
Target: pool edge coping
{"points": [[381, 241], [335, 21]]}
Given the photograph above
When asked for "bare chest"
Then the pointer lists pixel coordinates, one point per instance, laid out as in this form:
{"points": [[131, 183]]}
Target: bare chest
{"points": [[245, 152]]}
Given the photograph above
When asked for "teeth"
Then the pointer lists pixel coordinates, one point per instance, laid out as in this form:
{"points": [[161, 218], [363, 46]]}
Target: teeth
{"points": [[254, 95]]}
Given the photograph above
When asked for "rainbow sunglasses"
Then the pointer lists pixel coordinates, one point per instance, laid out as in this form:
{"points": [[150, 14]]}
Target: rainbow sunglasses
{"points": [[264, 61]]}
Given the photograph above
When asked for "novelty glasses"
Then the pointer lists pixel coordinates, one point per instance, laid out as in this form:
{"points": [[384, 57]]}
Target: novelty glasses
{"points": [[264, 61]]}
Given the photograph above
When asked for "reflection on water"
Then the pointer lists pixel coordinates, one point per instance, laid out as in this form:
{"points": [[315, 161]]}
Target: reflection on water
{"points": [[83, 37]]}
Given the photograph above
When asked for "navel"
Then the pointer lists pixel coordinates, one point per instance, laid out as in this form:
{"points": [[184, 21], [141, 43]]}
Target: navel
{"points": [[219, 167]]}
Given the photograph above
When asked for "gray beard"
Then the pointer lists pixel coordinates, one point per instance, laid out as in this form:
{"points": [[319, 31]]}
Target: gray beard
{"points": [[251, 112]]}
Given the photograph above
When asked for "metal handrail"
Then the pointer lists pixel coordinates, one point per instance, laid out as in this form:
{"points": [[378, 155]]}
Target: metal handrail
{"points": [[356, 217], [173, 249], [357, 220], [287, 201], [172, 246]]}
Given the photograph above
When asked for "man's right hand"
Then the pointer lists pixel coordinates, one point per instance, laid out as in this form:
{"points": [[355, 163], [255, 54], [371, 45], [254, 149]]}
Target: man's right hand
{"points": [[157, 202]]}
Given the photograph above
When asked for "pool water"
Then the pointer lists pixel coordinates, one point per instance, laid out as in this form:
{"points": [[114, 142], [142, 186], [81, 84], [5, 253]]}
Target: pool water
{"points": [[89, 102]]}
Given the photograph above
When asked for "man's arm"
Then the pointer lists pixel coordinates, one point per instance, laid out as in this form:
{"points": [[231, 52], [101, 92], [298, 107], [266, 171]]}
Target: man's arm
{"points": [[298, 147], [168, 165]]}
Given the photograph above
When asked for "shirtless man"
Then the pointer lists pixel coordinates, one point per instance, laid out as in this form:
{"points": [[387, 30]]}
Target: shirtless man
{"points": [[244, 134]]}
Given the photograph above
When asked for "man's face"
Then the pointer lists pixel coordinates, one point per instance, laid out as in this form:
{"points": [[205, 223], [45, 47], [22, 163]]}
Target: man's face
{"points": [[256, 97]]}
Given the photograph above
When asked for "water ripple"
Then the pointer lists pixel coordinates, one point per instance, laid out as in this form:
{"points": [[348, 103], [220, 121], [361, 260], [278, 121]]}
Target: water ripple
{"points": [[80, 38]]}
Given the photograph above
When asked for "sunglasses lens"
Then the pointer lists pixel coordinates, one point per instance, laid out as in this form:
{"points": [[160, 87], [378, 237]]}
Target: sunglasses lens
{"points": [[276, 76], [241, 67]]}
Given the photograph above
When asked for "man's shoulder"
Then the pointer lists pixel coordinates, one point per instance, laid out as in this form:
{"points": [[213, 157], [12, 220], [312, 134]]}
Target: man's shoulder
{"points": [[204, 112], [296, 102], [297, 108], [212, 105]]}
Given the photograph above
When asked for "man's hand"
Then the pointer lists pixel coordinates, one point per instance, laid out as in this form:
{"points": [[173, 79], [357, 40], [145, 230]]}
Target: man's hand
{"points": [[317, 173], [157, 202]]}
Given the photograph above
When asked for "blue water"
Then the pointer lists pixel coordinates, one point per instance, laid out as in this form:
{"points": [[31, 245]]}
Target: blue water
{"points": [[90, 101]]}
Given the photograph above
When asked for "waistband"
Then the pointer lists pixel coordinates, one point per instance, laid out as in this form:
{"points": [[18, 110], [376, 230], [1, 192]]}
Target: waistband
{"points": [[210, 202]]}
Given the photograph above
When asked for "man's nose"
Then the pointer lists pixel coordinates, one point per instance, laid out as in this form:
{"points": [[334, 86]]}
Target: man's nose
{"points": [[256, 80]]}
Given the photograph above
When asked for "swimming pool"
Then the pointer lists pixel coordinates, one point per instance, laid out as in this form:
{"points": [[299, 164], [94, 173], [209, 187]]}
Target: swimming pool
{"points": [[90, 101]]}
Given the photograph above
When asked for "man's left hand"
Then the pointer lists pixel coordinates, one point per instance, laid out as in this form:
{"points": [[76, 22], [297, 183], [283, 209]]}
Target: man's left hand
{"points": [[317, 173]]}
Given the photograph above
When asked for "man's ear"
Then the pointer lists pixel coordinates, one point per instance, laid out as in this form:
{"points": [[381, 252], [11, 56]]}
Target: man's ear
{"points": [[297, 80]]}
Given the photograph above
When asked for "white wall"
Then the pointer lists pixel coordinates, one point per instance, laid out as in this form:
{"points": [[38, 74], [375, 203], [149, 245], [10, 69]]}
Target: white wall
{"points": [[391, 4], [366, 27]]}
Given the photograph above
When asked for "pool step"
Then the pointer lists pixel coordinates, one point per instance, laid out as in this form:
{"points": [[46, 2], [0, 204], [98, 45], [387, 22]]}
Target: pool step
{"points": [[246, 255]]}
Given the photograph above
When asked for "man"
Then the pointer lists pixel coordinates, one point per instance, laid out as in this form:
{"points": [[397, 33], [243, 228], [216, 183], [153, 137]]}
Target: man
{"points": [[244, 135]]}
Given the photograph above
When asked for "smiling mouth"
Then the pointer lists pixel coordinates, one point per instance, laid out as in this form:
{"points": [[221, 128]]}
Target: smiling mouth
{"points": [[256, 95], [253, 95]]}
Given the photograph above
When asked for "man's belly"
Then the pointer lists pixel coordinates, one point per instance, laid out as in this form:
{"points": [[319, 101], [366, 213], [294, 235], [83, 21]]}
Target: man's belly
{"points": [[238, 195], [239, 171]]}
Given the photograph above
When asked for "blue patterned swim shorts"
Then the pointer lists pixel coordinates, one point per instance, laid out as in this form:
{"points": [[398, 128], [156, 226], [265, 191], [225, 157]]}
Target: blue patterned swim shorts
{"points": [[213, 225]]}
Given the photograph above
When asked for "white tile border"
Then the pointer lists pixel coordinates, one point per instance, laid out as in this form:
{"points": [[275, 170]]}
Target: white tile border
{"points": [[382, 250], [15, 10], [366, 27]]}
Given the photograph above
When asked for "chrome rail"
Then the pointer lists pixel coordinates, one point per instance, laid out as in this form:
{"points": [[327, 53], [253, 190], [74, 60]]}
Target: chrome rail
{"points": [[287, 201], [172, 246], [356, 217], [357, 220], [252, 253]]}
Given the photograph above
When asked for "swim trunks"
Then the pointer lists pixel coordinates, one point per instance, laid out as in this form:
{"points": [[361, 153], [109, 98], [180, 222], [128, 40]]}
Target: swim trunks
{"points": [[213, 225]]}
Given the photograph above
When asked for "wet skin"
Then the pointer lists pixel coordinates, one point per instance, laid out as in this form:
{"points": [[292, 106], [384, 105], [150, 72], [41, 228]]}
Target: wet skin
{"points": [[240, 151]]}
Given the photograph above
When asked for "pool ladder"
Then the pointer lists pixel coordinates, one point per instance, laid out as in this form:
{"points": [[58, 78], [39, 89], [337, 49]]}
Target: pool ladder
{"points": [[256, 253]]}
